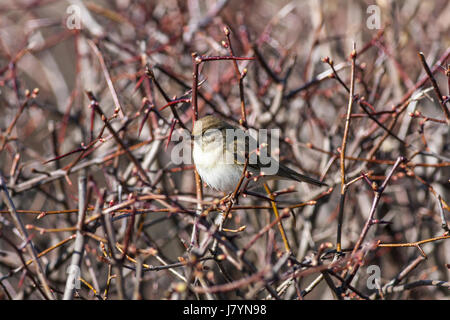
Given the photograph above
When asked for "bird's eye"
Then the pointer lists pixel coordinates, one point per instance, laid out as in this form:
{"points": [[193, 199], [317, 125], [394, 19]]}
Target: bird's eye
{"points": [[210, 133]]}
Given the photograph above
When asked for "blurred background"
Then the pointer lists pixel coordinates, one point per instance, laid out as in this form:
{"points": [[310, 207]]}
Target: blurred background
{"points": [[53, 141]]}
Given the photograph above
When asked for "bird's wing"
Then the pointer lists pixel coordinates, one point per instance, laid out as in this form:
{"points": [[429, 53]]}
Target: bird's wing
{"points": [[242, 144]]}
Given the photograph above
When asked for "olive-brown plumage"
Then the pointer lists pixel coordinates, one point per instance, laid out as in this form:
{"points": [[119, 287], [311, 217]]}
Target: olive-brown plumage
{"points": [[220, 160]]}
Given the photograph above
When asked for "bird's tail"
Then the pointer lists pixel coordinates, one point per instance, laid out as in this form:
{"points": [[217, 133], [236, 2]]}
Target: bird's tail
{"points": [[288, 173]]}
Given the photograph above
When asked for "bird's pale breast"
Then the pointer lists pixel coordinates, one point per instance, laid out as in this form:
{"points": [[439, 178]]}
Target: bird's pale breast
{"points": [[214, 170]]}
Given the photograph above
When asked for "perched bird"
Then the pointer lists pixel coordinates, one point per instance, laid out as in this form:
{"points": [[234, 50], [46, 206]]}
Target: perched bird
{"points": [[220, 151]]}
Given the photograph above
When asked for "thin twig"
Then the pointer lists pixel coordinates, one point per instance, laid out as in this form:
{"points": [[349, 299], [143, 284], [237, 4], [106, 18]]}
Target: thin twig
{"points": [[343, 148], [435, 86], [75, 265], [25, 238]]}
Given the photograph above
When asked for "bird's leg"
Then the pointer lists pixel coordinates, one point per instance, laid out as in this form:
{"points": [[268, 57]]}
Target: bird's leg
{"points": [[225, 198], [223, 214], [220, 220]]}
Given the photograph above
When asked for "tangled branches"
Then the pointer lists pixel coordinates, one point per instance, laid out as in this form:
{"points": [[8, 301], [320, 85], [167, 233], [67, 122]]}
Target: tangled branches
{"points": [[100, 199]]}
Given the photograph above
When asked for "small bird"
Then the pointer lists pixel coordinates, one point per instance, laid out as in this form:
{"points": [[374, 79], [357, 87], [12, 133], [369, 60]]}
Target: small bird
{"points": [[220, 151]]}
